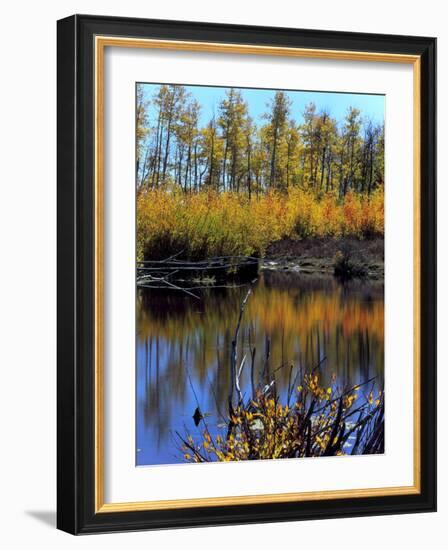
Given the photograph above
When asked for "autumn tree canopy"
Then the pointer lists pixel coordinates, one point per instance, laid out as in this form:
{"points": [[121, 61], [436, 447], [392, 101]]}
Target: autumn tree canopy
{"points": [[231, 152]]}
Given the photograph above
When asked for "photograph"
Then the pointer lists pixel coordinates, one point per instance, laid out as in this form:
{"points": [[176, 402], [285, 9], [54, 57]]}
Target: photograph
{"points": [[246, 321], [259, 274]]}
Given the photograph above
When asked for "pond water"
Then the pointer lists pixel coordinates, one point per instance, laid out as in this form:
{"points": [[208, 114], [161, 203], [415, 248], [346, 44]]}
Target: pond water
{"points": [[184, 348]]}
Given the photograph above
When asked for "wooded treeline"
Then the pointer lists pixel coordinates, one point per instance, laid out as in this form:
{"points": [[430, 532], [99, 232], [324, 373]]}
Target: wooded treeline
{"points": [[234, 153]]}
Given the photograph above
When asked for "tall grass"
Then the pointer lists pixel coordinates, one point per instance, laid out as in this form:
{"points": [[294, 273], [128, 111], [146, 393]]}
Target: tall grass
{"points": [[206, 224]]}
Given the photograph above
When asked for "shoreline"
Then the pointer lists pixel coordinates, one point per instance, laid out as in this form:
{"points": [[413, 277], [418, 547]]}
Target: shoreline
{"points": [[316, 255], [343, 258]]}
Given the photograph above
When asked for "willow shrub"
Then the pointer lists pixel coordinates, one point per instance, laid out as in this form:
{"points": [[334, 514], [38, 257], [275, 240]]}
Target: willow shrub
{"points": [[206, 224], [319, 421]]}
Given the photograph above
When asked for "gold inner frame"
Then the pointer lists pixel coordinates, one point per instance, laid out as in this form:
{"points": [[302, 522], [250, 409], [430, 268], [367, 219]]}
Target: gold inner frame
{"points": [[101, 42]]}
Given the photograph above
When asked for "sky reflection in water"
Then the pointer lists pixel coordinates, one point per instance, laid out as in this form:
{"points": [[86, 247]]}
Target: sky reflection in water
{"points": [[184, 344]]}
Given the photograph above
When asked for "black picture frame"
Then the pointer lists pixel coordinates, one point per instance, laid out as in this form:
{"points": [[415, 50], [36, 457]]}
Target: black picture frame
{"points": [[76, 255]]}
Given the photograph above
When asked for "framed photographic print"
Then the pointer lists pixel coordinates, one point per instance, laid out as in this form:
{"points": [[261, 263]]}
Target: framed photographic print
{"points": [[246, 274]]}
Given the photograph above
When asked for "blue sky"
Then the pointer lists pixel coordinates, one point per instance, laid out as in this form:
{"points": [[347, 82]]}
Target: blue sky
{"points": [[371, 106]]}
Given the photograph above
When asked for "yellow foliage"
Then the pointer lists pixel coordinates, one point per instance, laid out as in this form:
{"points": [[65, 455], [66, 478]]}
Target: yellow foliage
{"points": [[265, 429], [209, 224]]}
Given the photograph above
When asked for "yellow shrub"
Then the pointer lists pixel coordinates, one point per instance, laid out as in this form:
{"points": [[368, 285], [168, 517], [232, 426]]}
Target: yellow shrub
{"points": [[208, 224]]}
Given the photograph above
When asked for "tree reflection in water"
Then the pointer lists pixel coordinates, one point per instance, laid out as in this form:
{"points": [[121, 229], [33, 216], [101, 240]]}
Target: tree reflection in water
{"points": [[289, 320]]}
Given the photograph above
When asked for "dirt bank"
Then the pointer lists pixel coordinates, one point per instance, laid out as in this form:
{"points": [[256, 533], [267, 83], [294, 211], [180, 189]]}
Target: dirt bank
{"points": [[319, 255]]}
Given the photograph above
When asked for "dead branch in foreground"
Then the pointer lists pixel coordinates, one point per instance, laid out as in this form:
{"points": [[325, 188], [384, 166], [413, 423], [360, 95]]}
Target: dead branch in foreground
{"points": [[315, 420]]}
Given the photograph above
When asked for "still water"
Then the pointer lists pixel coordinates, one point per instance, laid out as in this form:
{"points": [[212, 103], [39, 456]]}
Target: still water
{"points": [[184, 346]]}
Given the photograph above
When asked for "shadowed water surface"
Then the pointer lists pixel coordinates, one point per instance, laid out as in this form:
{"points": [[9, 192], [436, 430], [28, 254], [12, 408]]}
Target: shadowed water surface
{"points": [[184, 346]]}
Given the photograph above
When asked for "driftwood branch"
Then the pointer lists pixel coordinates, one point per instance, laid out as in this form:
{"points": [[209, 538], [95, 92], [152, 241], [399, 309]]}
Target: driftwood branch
{"points": [[185, 275]]}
